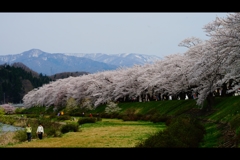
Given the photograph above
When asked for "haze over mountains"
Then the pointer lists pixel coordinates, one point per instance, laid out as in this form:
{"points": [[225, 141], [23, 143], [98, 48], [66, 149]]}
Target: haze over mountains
{"points": [[52, 63]]}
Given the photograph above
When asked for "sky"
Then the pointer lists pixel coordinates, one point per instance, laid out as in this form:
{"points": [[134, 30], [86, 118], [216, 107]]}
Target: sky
{"points": [[149, 33]]}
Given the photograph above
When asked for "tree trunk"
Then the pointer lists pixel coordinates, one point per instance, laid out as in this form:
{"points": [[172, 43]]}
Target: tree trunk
{"points": [[210, 102], [182, 95], [224, 90]]}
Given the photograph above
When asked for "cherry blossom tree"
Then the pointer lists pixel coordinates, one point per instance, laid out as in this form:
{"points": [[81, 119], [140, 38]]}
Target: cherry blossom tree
{"points": [[205, 67], [112, 107], [7, 108], [224, 33]]}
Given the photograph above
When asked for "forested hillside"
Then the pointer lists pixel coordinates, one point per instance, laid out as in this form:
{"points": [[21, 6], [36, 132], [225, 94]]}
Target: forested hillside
{"points": [[16, 80]]}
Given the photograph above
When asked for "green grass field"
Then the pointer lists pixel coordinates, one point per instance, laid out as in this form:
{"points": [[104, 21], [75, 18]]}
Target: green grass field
{"points": [[108, 133], [118, 133]]}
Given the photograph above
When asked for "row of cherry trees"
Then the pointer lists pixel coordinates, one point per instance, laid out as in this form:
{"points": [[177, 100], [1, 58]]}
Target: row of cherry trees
{"points": [[205, 67]]}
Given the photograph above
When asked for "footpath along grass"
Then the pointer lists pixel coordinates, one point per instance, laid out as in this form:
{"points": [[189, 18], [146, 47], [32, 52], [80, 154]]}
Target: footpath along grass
{"points": [[108, 133]]}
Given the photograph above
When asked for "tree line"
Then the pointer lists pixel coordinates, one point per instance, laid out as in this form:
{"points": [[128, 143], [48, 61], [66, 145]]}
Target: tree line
{"points": [[16, 81], [207, 68]]}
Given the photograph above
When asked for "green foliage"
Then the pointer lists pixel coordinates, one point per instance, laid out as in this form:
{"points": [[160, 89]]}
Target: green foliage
{"points": [[12, 82], [32, 115], [162, 139], [159, 118], [19, 110], [187, 130], [54, 133], [225, 110], [71, 127], [184, 132], [34, 110], [2, 112], [129, 115], [63, 117], [86, 120], [20, 135]]}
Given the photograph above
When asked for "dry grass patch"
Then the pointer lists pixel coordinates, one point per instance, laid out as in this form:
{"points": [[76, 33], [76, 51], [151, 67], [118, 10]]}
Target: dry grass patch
{"points": [[7, 138], [109, 133]]}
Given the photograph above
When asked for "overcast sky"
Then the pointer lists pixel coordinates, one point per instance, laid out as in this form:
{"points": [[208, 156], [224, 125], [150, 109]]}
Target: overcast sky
{"points": [[151, 33]]}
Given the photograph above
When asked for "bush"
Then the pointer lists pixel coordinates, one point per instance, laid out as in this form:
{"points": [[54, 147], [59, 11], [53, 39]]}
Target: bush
{"points": [[184, 132], [20, 135], [105, 115], [158, 118], [2, 112], [55, 133], [129, 115], [187, 130], [71, 127], [76, 113], [86, 120], [19, 110], [32, 115], [52, 116], [162, 139], [64, 117]]}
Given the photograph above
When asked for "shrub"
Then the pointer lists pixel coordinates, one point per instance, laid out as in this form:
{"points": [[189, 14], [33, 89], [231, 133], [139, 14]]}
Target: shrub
{"points": [[52, 116], [184, 132], [162, 139], [55, 133], [64, 117], [71, 127], [2, 112], [76, 113], [20, 136], [187, 130], [130, 118], [158, 118], [19, 110], [129, 114], [86, 120], [32, 115], [106, 115]]}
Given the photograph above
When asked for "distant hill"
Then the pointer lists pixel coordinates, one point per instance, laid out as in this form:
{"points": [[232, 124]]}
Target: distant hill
{"points": [[53, 63], [49, 64], [16, 80], [122, 59], [24, 67]]}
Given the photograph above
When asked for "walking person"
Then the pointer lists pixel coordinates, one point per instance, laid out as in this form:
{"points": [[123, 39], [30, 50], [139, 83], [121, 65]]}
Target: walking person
{"points": [[29, 132], [40, 131]]}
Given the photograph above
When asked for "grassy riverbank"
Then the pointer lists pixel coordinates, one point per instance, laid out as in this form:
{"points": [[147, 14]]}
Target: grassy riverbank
{"points": [[223, 119], [110, 133]]}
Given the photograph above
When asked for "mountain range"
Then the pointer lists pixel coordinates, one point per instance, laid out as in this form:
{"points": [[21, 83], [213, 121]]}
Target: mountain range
{"points": [[53, 63]]}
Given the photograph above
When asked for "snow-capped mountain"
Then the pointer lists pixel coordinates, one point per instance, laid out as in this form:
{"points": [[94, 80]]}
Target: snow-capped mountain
{"points": [[52, 63], [122, 59]]}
